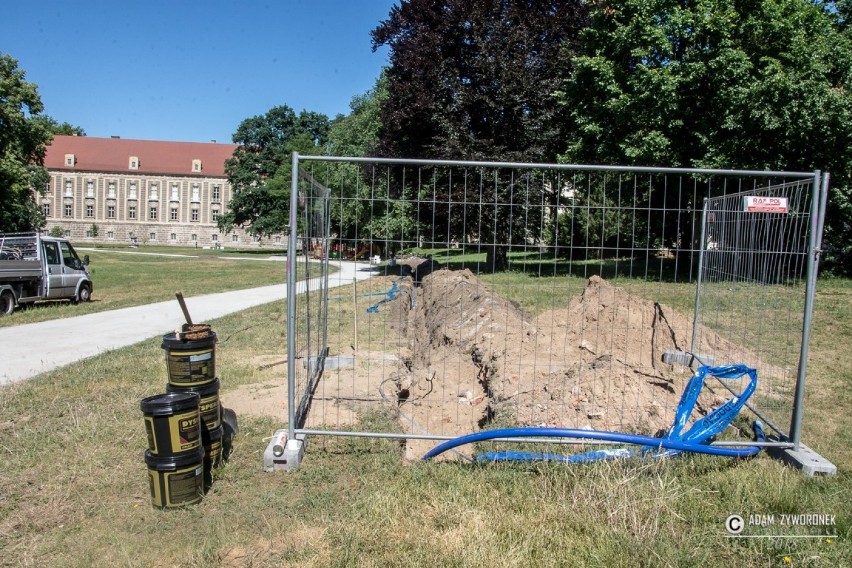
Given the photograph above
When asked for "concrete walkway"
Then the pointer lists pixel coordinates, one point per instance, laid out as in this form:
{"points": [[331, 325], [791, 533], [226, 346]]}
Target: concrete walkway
{"points": [[29, 349]]}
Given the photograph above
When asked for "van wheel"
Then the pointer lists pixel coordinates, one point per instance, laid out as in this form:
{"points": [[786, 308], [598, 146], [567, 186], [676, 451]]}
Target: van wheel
{"points": [[85, 294], [7, 303]]}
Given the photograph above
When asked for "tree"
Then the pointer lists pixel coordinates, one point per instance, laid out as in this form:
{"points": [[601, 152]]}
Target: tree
{"points": [[472, 79], [357, 134], [758, 84], [57, 128], [22, 147], [259, 170]]}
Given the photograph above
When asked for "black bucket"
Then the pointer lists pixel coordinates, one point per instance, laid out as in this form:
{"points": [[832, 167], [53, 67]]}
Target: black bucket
{"points": [[191, 358], [176, 480], [208, 404], [173, 424]]}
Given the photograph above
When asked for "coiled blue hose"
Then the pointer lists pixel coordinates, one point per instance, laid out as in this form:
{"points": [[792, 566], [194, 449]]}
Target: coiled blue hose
{"points": [[694, 440]]}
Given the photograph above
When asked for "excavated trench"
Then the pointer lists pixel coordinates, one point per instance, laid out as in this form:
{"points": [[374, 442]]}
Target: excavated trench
{"points": [[477, 361]]}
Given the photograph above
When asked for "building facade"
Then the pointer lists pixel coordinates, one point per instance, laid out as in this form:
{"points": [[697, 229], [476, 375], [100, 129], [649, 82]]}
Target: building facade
{"points": [[113, 190]]}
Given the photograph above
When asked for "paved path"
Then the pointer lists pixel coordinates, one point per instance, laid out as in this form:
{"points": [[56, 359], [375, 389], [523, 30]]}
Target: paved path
{"points": [[29, 349]]}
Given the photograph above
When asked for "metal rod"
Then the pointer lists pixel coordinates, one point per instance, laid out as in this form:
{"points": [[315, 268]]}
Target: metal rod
{"points": [[700, 277], [570, 167], [355, 310], [570, 441]]}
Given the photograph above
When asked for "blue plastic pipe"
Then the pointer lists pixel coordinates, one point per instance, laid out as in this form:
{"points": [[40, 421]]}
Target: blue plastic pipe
{"points": [[674, 442], [636, 439]]}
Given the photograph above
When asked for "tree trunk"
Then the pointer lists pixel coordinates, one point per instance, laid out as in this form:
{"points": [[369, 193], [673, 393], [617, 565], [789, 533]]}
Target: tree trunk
{"points": [[497, 259]]}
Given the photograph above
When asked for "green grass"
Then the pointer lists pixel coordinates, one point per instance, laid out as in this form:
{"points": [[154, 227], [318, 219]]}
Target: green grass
{"points": [[73, 484], [122, 279]]}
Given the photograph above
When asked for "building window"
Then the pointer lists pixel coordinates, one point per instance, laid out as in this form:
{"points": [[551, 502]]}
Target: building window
{"points": [[67, 233], [90, 188], [110, 235], [152, 193], [214, 237], [90, 210], [194, 237], [70, 160], [152, 214], [153, 187], [217, 192], [175, 192], [69, 188], [278, 239], [196, 165], [110, 211], [134, 163], [131, 212], [173, 236], [215, 215], [235, 238], [45, 209], [173, 215], [196, 193], [111, 189], [195, 214], [67, 209], [153, 236]]}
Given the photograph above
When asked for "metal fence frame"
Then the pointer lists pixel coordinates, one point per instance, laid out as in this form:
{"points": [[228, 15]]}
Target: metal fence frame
{"points": [[307, 334]]}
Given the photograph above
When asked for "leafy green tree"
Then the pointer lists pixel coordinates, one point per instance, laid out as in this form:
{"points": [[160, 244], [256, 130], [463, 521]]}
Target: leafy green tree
{"points": [[57, 128], [756, 84], [22, 147], [357, 134], [259, 170], [473, 79], [357, 210]]}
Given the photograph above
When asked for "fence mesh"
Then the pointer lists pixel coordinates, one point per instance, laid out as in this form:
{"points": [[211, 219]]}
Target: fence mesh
{"points": [[751, 290], [468, 296]]}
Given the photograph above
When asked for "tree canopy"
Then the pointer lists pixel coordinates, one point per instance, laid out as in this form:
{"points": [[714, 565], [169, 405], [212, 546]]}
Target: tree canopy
{"points": [[22, 146], [58, 128], [476, 80], [259, 171], [760, 84]]}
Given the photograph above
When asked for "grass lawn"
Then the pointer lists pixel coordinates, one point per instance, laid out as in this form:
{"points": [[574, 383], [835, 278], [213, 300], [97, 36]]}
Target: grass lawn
{"points": [[74, 490], [128, 277]]}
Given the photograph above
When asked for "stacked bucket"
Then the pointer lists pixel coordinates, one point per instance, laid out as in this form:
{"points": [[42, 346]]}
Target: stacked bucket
{"points": [[184, 425]]}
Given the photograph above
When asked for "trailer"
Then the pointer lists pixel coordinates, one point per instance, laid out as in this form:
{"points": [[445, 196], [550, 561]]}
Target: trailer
{"points": [[34, 267]]}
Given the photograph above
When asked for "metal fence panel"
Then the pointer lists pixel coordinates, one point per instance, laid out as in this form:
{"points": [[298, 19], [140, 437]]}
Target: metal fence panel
{"points": [[530, 294]]}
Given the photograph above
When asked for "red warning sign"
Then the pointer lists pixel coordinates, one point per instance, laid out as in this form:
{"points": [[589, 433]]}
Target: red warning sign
{"points": [[754, 204]]}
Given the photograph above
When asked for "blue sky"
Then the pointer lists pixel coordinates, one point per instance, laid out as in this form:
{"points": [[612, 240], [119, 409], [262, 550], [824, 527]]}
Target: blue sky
{"points": [[189, 70]]}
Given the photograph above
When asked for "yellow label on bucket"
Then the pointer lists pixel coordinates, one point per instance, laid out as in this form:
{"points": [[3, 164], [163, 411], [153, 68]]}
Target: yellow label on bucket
{"points": [[156, 497], [209, 409], [152, 439], [184, 486], [191, 367], [185, 430]]}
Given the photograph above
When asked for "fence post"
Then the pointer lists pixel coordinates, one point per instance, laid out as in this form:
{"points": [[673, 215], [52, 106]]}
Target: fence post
{"points": [[702, 246], [291, 300], [798, 400]]}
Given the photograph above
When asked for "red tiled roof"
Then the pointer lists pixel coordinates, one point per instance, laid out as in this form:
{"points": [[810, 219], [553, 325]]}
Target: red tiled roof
{"points": [[155, 157]]}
